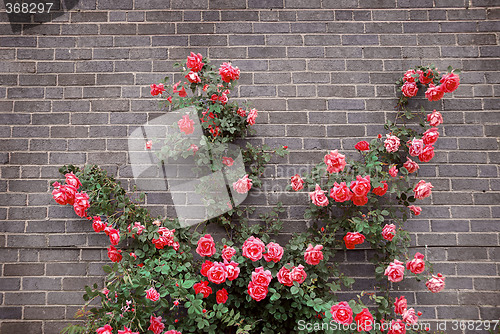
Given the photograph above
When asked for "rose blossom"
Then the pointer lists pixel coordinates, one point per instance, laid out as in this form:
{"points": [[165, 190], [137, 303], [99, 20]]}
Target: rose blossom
{"points": [[221, 296], [114, 254], [284, 276], [362, 146], [63, 194], [318, 197], [228, 253], [434, 93], [206, 246], [157, 89], [72, 180], [388, 232], [361, 186], [380, 191], [114, 236], [393, 171], [128, 331], [193, 147], [415, 209], [409, 89], [395, 271], [340, 192], [408, 76], [364, 320], [391, 143], [298, 274], [166, 237], [243, 185], [203, 288], [193, 77], [450, 82], [181, 92], [253, 248], [223, 98], [400, 305], [205, 267], [410, 317], [228, 72], [422, 189], [274, 252], [410, 165], [430, 136], [416, 147], [435, 118], [232, 270], [417, 265], [435, 284], [359, 200], [156, 326], [217, 273], [136, 229], [297, 182], [342, 313], [81, 204], [335, 162], [257, 292], [107, 329], [149, 144], [313, 255], [227, 161], [172, 331], [186, 125], [152, 294], [352, 239], [252, 115], [242, 112], [425, 77], [98, 225], [261, 276], [194, 62], [397, 327]]}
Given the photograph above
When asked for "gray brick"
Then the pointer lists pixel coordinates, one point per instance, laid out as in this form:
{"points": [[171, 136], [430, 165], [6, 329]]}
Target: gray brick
{"points": [[66, 269], [11, 312], [24, 298], [65, 298], [44, 313], [22, 327], [23, 269]]}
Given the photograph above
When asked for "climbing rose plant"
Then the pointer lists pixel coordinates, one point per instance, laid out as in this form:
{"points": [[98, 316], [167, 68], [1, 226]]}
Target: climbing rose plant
{"points": [[171, 280]]}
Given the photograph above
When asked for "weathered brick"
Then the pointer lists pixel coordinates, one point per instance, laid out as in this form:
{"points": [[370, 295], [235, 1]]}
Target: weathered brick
{"points": [[23, 269]]}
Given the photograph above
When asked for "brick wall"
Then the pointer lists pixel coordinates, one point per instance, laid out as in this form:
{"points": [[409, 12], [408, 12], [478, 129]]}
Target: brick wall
{"points": [[322, 74]]}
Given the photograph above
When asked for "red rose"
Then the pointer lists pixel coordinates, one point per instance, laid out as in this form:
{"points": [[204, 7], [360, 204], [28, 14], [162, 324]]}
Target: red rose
{"points": [[340, 192], [313, 255], [435, 118], [380, 191], [297, 182], [352, 239], [335, 162], [228, 72], [217, 273], [362, 146], [427, 154], [397, 327], [388, 232], [107, 329], [72, 180], [193, 77], [228, 253], [98, 225], [364, 320], [205, 267], [425, 77], [450, 82], [206, 246], [408, 76], [395, 271], [81, 204], [359, 200], [342, 313], [257, 292], [422, 189], [410, 165], [417, 265], [400, 305], [409, 89], [221, 296], [156, 326], [430, 136], [114, 236], [232, 270], [318, 196], [157, 89], [261, 276], [194, 62], [434, 93], [415, 209], [203, 288], [298, 274], [284, 276], [152, 294], [361, 186], [253, 248], [114, 254]]}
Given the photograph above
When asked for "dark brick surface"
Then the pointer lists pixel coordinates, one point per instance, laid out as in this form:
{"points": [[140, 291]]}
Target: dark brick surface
{"points": [[321, 74]]}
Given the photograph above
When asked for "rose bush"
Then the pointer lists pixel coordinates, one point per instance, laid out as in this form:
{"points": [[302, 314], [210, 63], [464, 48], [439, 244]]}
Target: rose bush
{"points": [[168, 279]]}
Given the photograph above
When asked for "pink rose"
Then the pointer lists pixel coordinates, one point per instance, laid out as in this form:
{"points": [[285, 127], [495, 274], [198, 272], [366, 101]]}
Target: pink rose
{"points": [[166, 237], [425, 77], [400, 305], [395, 271], [205, 267], [257, 292], [202, 288], [318, 197], [380, 191], [409, 89], [186, 125], [417, 265], [274, 252], [359, 200], [422, 189], [364, 320], [415, 209], [176, 246], [223, 98], [362, 146], [72, 180], [430, 136], [408, 76], [107, 329], [434, 93], [352, 239], [232, 270], [206, 246], [391, 143], [193, 77], [388, 232], [342, 313], [63, 194], [114, 254], [149, 144], [252, 116], [195, 62], [228, 72], [157, 89], [156, 326], [127, 331], [313, 255], [297, 182], [217, 273], [253, 248], [243, 185], [340, 192], [136, 229], [410, 317], [98, 225], [435, 284], [221, 296], [410, 165], [416, 147], [114, 236], [227, 161], [261, 276], [152, 294], [181, 92], [284, 276], [397, 327], [335, 162], [427, 154], [228, 253], [450, 82], [361, 186], [193, 147], [298, 274], [393, 171], [81, 204], [435, 118]]}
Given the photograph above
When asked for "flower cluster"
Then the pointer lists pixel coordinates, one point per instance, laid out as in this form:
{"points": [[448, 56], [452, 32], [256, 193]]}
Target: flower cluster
{"points": [[68, 194], [429, 77]]}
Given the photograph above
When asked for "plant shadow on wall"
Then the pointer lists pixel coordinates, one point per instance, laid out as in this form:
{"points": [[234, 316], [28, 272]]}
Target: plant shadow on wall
{"points": [[172, 279]]}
